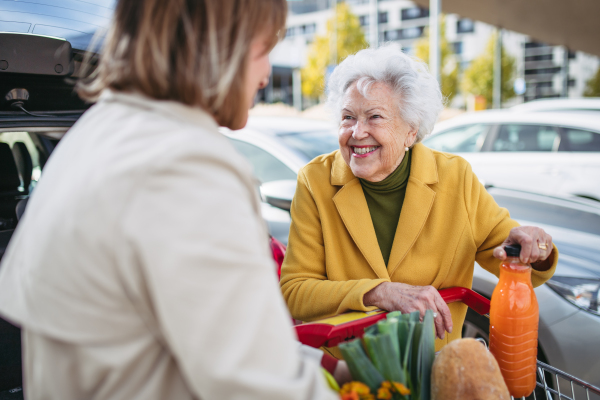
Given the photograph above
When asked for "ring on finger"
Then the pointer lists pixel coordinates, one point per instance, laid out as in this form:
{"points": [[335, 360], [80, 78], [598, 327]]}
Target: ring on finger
{"points": [[542, 246]]}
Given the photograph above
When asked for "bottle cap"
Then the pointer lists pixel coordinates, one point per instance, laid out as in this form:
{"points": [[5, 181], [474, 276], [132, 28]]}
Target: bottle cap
{"points": [[513, 250]]}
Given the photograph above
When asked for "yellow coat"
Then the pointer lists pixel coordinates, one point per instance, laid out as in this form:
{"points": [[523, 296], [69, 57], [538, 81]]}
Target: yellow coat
{"points": [[448, 221]]}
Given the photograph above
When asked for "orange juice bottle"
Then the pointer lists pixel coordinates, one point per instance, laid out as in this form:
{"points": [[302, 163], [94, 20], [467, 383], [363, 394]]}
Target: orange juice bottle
{"points": [[514, 318]]}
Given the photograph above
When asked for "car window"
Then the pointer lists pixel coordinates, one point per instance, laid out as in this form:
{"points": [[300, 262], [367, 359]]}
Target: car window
{"points": [[580, 140], [267, 168], [23, 147], [515, 137], [311, 144], [467, 138]]}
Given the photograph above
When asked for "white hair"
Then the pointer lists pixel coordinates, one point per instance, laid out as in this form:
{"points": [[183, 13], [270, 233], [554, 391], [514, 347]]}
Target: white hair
{"points": [[419, 97]]}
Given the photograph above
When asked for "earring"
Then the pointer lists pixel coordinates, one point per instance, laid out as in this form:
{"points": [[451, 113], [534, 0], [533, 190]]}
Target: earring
{"points": [[263, 84], [406, 148]]}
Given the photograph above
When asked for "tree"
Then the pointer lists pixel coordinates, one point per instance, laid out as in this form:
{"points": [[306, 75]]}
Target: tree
{"points": [[478, 79], [592, 87], [448, 63], [349, 37]]}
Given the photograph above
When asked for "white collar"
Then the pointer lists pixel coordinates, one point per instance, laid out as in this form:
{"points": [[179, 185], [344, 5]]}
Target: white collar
{"points": [[170, 108]]}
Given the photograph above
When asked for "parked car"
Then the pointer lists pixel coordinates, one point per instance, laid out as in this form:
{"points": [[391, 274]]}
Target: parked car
{"points": [[569, 302], [551, 153], [584, 104], [277, 147]]}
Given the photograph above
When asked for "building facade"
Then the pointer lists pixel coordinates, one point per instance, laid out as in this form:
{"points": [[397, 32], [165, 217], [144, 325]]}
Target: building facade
{"points": [[545, 69]]}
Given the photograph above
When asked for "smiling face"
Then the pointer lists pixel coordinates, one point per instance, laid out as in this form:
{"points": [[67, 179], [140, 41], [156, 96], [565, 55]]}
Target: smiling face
{"points": [[372, 134]]}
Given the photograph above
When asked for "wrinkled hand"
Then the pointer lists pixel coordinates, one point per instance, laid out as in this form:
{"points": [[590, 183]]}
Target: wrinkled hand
{"points": [[530, 238], [393, 296], [342, 373]]}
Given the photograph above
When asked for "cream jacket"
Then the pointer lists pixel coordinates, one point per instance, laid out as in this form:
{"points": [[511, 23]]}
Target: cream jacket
{"points": [[141, 268]]}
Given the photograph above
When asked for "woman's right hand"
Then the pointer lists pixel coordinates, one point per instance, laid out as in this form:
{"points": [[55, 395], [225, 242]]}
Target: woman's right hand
{"points": [[394, 296]]}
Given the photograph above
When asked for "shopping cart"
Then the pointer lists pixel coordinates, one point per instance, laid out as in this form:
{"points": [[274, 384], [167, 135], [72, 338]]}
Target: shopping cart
{"points": [[552, 383]]}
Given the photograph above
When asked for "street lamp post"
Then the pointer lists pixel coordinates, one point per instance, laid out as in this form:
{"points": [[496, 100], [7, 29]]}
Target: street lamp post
{"points": [[374, 24], [497, 93], [435, 8], [565, 73], [333, 42]]}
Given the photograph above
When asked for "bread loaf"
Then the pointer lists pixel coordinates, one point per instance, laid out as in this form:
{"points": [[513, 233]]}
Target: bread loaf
{"points": [[466, 370]]}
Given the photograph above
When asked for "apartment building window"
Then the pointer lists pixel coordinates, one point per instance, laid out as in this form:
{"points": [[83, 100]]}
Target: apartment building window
{"points": [[411, 33], [533, 45], [465, 25], [383, 17], [290, 31], [391, 35], [553, 70], [544, 84], [406, 33], [309, 29], [457, 47], [365, 20], [413, 13], [542, 57]]}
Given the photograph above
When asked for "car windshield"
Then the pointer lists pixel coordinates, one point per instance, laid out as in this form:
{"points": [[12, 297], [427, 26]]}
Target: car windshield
{"points": [[311, 144]]}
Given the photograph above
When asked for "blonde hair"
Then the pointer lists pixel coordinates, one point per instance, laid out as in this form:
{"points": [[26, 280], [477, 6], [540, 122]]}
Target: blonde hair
{"points": [[191, 51]]}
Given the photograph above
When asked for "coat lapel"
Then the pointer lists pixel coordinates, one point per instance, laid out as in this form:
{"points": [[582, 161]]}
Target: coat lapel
{"points": [[417, 204], [353, 209]]}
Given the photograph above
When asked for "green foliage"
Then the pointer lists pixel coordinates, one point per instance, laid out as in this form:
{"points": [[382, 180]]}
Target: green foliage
{"points": [[426, 355], [361, 368], [592, 87], [448, 63], [478, 79], [349, 37], [381, 349], [400, 349]]}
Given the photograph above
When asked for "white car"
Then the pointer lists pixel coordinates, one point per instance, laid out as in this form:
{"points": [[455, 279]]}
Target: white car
{"points": [[556, 153], [585, 104], [277, 147]]}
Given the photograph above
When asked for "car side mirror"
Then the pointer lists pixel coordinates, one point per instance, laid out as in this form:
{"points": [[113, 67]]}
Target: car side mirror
{"points": [[279, 193]]}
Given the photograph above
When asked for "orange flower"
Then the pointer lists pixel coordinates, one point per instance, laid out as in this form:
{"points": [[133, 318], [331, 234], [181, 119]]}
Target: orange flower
{"points": [[384, 393], [356, 391], [350, 396], [400, 388], [387, 389]]}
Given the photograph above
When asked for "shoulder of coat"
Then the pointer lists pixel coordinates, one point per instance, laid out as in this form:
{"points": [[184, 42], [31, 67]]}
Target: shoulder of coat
{"points": [[320, 165]]}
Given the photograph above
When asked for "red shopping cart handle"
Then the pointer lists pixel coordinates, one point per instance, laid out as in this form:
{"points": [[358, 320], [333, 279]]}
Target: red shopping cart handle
{"points": [[332, 331]]}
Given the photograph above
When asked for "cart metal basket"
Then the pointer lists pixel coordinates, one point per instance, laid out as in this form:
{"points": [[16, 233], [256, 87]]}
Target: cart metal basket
{"points": [[552, 383]]}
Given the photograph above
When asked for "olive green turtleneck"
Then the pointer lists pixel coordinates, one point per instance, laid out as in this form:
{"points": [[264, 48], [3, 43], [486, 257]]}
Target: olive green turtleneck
{"points": [[385, 200]]}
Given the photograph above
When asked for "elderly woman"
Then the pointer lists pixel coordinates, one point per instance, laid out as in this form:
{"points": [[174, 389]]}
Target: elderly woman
{"points": [[385, 221]]}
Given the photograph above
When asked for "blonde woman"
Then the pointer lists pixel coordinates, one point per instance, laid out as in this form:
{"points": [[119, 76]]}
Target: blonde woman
{"points": [[141, 268]]}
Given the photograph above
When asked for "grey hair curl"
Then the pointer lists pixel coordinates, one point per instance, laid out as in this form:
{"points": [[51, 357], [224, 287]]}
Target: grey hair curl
{"points": [[419, 97]]}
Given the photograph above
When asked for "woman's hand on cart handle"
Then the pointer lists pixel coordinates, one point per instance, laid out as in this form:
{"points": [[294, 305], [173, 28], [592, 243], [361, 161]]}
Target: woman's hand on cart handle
{"points": [[394, 296], [536, 244]]}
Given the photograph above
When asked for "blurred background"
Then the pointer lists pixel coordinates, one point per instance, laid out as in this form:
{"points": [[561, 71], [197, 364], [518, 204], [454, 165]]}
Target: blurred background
{"points": [[320, 33]]}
